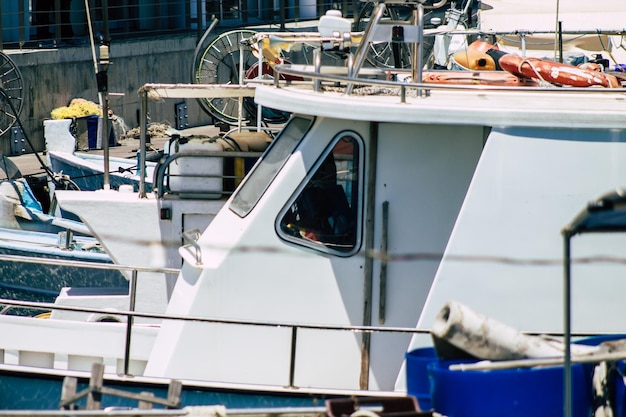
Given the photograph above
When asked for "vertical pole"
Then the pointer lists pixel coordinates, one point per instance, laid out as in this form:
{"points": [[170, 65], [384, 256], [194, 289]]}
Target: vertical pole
{"points": [[21, 20], [259, 108], [370, 204], [418, 20], [363, 49], [129, 321], [143, 132], [105, 21], [567, 322], [199, 18], [292, 360], [384, 245], [104, 63], [57, 20], [283, 6], [241, 76], [1, 29], [105, 140]]}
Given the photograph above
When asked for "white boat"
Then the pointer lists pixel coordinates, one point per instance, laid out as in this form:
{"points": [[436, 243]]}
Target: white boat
{"points": [[26, 230], [378, 202], [86, 170]]}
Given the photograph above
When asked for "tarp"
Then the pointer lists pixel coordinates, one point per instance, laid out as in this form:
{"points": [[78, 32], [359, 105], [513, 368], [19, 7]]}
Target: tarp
{"points": [[535, 15], [540, 20]]}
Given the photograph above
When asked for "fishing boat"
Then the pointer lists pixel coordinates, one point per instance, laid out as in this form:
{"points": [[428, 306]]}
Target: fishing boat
{"points": [[26, 230], [379, 201]]}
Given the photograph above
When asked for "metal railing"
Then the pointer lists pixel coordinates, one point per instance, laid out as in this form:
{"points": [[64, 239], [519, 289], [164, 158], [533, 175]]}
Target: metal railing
{"points": [[39, 23], [192, 184], [130, 315]]}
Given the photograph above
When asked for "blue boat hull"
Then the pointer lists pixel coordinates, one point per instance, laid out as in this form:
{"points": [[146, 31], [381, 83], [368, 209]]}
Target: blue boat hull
{"points": [[24, 391]]}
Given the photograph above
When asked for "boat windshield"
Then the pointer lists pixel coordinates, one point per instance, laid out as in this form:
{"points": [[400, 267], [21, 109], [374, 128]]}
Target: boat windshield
{"points": [[255, 184]]}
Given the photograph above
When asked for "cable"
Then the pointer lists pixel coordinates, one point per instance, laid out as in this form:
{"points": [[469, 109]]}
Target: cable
{"points": [[47, 169]]}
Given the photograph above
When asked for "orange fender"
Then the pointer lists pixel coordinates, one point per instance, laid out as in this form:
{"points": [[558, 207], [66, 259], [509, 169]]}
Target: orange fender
{"points": [[475, 60], [556, 73]]}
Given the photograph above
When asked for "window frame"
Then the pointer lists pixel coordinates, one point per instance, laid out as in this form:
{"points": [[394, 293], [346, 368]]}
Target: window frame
{"points": [[244, 200], [320, 246]]}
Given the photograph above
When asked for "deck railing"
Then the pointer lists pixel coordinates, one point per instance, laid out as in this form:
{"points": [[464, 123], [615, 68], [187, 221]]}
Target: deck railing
{"points": [[215, 174], [130, 315]]}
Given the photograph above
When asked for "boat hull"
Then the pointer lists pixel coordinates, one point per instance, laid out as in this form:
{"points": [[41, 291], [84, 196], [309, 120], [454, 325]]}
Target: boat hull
{"points": [[87, 171], [33, 391], [42, 282]]}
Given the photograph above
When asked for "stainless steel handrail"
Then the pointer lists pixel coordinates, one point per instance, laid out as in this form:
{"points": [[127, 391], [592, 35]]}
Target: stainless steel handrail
{"points": [[132, 315], [191, 238], [162, 172]]}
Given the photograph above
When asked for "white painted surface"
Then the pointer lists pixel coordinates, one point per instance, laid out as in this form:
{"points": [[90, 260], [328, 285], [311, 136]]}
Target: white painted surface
{"points": [[528, 186]]}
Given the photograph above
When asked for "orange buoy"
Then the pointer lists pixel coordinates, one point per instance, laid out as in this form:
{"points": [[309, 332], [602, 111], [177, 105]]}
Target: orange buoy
{"points": [[556, 73], [481, 46], [475, 60]]}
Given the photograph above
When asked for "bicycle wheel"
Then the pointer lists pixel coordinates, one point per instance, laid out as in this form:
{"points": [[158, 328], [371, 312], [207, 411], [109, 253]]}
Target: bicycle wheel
{"points": [[219, 63], [12, 97]]}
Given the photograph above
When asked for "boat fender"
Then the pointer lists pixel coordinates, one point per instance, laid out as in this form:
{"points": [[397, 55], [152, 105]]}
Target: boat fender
{"points": [[486, 338], [556, 73], [474, 60], [482, 46], [103, 318]]}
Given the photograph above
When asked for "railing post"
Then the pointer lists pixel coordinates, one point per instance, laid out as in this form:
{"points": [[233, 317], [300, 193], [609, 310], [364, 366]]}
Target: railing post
{"points": [[143, 132], [129, 320], [57, 21], [1, 29], [292, 362]]}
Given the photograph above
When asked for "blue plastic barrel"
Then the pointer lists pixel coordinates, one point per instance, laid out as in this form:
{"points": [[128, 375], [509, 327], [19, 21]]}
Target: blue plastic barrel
{"points": [[417, 382], [518, 392]]}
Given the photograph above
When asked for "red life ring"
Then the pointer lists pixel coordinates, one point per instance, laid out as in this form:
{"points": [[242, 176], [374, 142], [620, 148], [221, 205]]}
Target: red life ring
{"points": [[556, 73]]}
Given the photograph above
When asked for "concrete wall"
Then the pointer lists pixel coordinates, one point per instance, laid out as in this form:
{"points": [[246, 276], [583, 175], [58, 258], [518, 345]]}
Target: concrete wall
{"points": [[53, 77]]}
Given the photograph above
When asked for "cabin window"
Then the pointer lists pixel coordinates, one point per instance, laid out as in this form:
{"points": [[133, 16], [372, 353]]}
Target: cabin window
{"points": [[324, 214], [257, 181]]}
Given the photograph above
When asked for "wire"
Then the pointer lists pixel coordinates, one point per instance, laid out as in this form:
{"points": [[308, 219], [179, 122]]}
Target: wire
{"points": [[45, 167]]}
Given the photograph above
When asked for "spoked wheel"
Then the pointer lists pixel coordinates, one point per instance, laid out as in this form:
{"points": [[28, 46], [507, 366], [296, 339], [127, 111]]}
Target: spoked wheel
{"points": [[219, 63], [11, 93], [396, 55]]}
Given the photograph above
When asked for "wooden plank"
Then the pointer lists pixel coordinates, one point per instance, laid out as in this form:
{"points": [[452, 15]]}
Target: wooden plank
{"points": [[173, 393], [94, 398], [68, 391], [146, 404]]}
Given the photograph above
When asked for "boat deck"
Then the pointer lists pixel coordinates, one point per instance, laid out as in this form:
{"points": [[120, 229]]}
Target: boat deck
{"points": [[29, 164]]}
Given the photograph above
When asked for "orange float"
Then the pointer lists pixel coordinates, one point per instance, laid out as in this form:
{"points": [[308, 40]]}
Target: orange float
{"points": [[475, 60], [556, 73]]}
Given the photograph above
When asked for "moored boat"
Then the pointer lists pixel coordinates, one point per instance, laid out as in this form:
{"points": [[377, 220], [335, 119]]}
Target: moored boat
{"points": [[380, 200]]}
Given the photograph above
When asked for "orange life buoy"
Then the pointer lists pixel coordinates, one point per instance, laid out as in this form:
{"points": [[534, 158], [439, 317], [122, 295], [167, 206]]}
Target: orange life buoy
{"points": [[556, 73], [476, 78]]}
